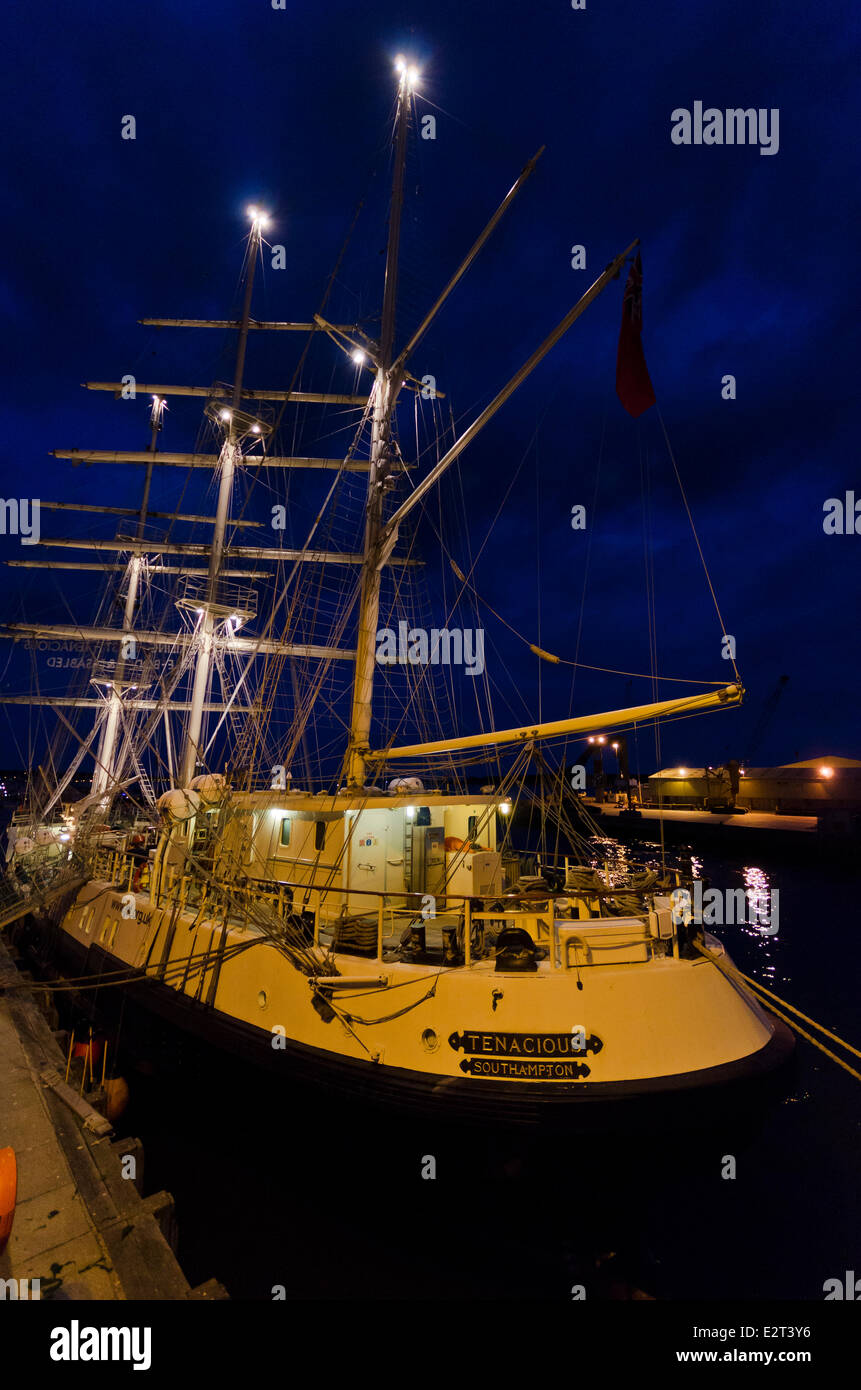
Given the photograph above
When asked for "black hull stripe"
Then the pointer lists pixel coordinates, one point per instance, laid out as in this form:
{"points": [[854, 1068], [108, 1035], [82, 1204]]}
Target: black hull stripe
{"points": [[458, 1098]]}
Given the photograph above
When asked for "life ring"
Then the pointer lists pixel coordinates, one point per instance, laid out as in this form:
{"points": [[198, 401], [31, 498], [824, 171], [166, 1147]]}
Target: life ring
{"points": [[8, 1194]]}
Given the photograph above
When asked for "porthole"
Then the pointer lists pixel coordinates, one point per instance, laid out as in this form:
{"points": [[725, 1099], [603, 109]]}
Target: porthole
{"points": [[262, 999], [430, 1040]]}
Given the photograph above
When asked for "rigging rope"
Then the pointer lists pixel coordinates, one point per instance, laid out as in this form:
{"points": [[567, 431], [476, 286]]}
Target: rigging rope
{"points": [[733, 974], [697, 539]]}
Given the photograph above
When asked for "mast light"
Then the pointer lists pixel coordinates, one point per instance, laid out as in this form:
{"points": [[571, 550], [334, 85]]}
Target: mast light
{"points": [[505, 808], [409, 74], [225, 415], [358, 357]]}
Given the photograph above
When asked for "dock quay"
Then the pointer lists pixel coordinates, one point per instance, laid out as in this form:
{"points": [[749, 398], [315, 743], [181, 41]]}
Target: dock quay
{"points": [[759, 822], [81, 1228]]}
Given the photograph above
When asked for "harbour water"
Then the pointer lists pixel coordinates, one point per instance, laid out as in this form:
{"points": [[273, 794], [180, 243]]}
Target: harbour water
{"points": [[284, 1193]]}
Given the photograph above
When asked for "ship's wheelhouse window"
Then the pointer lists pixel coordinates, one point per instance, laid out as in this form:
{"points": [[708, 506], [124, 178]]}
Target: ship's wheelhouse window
{"points": [[285, 831], [471, 823], [319, 835]]}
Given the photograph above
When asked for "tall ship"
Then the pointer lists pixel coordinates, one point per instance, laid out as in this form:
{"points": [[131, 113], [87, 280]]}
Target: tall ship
{"points": [[301, 841]]}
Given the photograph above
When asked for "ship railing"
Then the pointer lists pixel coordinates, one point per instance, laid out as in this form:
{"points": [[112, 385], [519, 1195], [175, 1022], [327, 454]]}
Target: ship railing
{"points": [[135, 673], [227, 898], [229, 598], [35, 877], [219, 897], [112, 865]]}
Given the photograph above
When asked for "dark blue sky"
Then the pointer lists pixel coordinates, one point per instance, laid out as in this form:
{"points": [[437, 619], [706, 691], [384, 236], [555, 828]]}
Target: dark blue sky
{"points": [[749, 269]]}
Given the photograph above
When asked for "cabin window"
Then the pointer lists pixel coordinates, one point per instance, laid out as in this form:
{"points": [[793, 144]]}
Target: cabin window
{"points": [[471, 823], [285, 831], [319, 835]]}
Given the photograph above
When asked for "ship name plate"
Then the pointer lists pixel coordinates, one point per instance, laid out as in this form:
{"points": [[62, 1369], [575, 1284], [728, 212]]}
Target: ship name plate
{"points": [[525, 1056]]}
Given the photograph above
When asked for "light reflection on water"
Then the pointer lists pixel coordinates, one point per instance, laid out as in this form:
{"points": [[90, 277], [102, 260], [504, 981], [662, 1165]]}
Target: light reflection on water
{"points": [[618, 859], [759, 925], [747, 935]]}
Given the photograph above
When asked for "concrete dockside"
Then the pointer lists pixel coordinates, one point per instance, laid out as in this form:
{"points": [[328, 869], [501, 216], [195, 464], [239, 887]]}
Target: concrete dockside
{"points": [[750, 820], [81, 1228]]}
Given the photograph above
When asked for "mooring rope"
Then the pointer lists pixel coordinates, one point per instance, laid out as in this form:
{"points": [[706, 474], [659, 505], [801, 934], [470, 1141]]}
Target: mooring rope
{"points": [[730, 970]]}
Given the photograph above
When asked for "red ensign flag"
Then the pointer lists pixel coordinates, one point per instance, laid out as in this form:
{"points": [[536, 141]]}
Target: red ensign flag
{"points": [[633, 385]]}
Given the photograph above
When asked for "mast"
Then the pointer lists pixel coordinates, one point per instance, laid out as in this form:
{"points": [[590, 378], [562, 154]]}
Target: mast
{"points": [[210, 609], [386, 387], [106, 771]]}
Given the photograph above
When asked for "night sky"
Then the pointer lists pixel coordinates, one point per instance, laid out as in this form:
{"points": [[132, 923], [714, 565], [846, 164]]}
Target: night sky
{"points": [[749, 269]]}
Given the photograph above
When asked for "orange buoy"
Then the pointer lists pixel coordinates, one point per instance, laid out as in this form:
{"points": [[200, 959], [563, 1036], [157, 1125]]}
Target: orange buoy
{"points": [[8, 1194], [116, 1097]]}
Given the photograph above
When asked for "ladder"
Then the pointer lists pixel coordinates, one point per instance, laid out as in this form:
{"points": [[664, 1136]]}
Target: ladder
{"points": [[143, 778]]}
